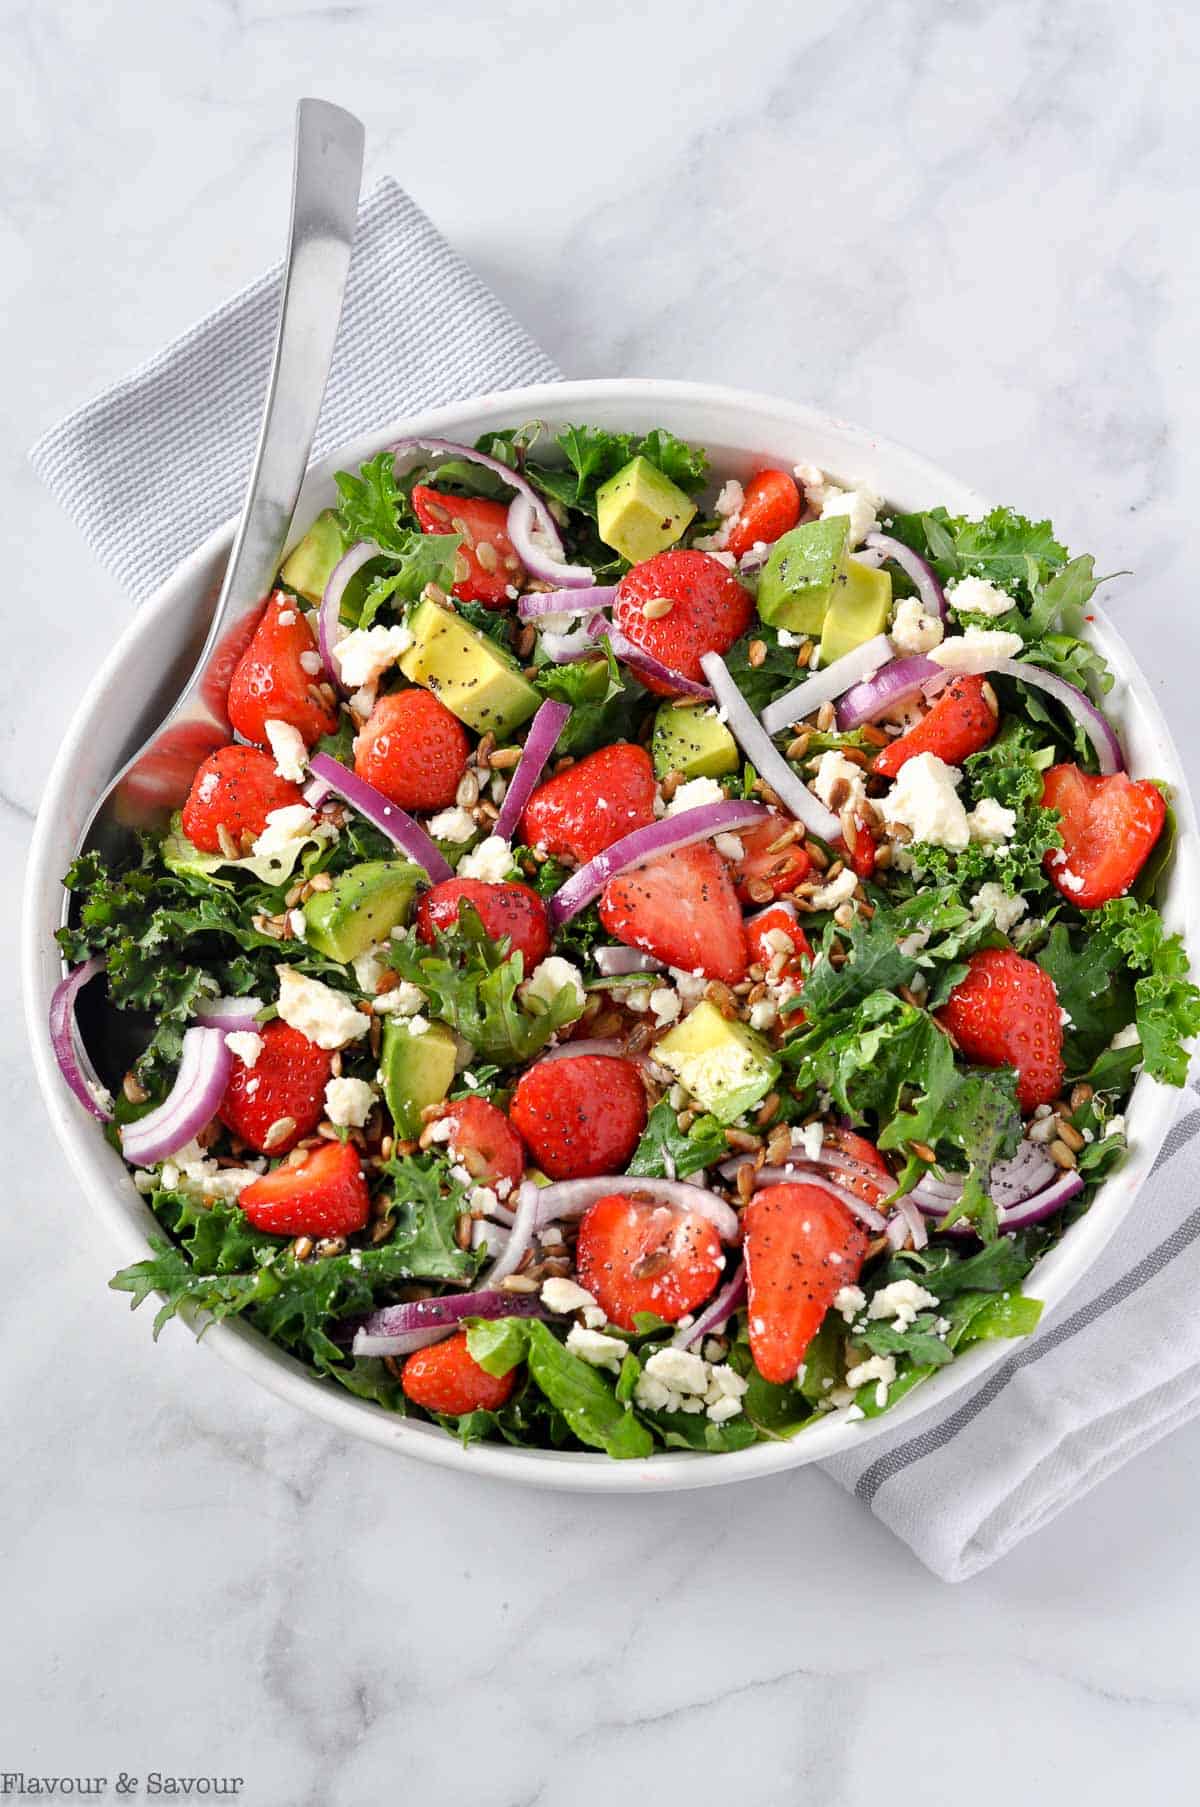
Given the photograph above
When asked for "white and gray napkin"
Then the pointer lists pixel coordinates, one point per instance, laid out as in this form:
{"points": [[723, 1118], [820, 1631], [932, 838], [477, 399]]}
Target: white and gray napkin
{"points": [[149, 468]]}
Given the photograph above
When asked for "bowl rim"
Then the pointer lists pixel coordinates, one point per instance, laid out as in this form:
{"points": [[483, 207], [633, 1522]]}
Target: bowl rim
{"points": [[129, 1219]]}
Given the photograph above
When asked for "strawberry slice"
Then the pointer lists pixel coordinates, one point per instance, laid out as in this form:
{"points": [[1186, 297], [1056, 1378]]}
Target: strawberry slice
{"points": [[770, 508], [682, 908], [446, 1378], [636, 1255], [271, 681], [766, 869], [709, 611], [513, 909], [1108, 825], [1005, 1013], [960, 722], [802, 1247], [413, 750], [286, 1085], [323, 1195], [580, 1115], [585, 809], [486, 567], [857, 1148], [235, 789], [483, 1140]]}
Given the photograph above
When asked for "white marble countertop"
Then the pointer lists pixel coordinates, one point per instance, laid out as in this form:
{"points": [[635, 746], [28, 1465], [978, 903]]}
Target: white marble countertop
{"points": [[969, 226]]}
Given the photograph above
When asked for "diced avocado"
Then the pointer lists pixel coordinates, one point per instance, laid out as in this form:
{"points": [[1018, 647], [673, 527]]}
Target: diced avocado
{"points": [[797, 582], [725, 1066], [416, 1069], [860, 608], [307, 566], [693, 741], [640, 511], [467, 672], [363, 904]]}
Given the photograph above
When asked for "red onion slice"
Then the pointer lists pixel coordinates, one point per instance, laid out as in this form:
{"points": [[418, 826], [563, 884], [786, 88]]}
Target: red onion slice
{"points": [[809, 1174], [189, 1107], [827, 684], [580, 643], [73, 1063], [619, 962], [1043, 1204], [447, 448], [760, 750], [716, 1313], [607, 1046], [1092, 720], [229, 1013], [540, 742], [329, 623], [933, 597], [571, 1198], [565, 602], [895, 684], [526, 1220], [633, 849], [906, 1223], [647, 666], [396, 823], [540, 557], [399, 1329]]}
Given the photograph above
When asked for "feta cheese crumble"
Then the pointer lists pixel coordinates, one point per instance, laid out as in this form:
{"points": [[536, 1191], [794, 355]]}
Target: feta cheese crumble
{"points": [[991, 823], [363, 655], [552, 975], [245, 1044], [454, 824], [348, 1102], [881, 1368], [288, 749], [912, 630], [283, 828], [838, 891], [563, 1295], [676, 1380], [596, 1349], [837, 781], [925, 800], [326, 1016], [901, 1301], [1006, 911], [977, 650], [695, 794], [975, 596], [491, 861]]}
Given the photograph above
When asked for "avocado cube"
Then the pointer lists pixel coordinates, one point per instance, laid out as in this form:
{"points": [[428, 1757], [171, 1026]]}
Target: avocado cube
{"points": [[693, 741], [797, 581], [361, 907], [640, 511], [416, 1070], [725, 1066], [470, 674], [861, 606], [308, 566]]}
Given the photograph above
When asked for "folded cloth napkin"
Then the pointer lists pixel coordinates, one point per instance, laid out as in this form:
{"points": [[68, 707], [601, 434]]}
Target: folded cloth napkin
{"points": [[148, 469]]}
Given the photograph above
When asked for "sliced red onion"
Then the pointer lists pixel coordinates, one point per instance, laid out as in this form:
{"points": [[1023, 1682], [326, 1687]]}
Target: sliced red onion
{"points": [[760, 750], [189, 1107], [1012, 1182], [756, 558], [399, 827], [229, 1013], [540, 742], [447, 448], [399, 1329], [907, 1223], [870, 556], [526, 1219], [933, 597], [619, 962], [580, 643], [329, 622], [827, 684], [565, 602], [1092, 720], [647, 666], [73, 1063], [896, 683], [571, 1198], [608, 1047], [542, 558], [642, 844], [1043, 1204], [716, 1313]]}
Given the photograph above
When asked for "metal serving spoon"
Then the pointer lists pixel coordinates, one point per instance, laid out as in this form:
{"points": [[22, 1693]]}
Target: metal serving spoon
{"points": [[172, 729]]}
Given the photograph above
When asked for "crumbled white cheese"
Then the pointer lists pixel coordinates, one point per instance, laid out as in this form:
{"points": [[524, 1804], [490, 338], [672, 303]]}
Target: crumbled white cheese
{"points": [[978, 649], [600, 1351], [563, 1295], [764, 1014], [245, 1044], [691, 986], [312, 664], [901, 1301], [348, 1102], [370, 966], [862, 506], [454, 824], [730, 500], [881, 1368], [550, 976], [991, 823], [289, 751], [1006, 911], [283, 828], [665, 1004], [326, 1016], [418, 1025], [404, 999], [695, 794], [363, 655], [975, 596], [839, 891], [729, 846], [913, 631], [849, 1300], [924, 799], [675, 1380], [810, 1137], [838, 781], [491, 861]]}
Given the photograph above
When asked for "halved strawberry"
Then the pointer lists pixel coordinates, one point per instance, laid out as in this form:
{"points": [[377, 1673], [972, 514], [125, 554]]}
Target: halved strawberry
{"points": [[1108, 825], [636, 1255], [581, 811], [486, 567], [770, 508], [510, 909], [413, 750], [324, 1195], [960, 722], [235, 789], [270, 681], [682, 908], [484, 1141], [709, 611], [581, 1114], [446, 1378], [286, 1085], [1005, 1013], [802, 1247], [767, 869]]}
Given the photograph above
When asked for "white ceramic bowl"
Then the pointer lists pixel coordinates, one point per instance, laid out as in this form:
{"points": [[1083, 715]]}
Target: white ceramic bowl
{"points": [[740, 431]]}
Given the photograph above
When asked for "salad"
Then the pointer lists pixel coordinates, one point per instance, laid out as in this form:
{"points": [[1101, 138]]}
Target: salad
{"points": [[661, 955]]}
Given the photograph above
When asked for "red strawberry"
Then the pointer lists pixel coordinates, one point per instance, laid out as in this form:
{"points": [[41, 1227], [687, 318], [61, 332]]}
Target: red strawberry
{"points": [[1005, 1013], [710, 610], [766, 869], [581, 1114], [1108, 826], [802, 1247], [512, 909], [770, 508], [857, 1148], [446, 1378], [581, 811], [961, 721], [270, 682], [860, 849], [285, 1084], [235, 789], [485, 566], [682, 908], [324, 1195], [413, 750], [635, 1255], [786, 966], [485, 1142]]}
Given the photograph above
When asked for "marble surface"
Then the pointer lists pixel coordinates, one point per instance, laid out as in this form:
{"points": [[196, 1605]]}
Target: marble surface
{"points": [[966, 224]]}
